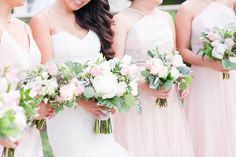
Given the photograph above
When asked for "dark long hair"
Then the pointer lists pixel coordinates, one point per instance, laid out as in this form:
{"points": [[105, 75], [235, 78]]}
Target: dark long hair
{"points": [[96, 16]]}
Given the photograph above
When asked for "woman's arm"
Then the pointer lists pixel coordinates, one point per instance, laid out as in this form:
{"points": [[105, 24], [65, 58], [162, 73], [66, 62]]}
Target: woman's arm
{"points": [[183, 31], [42, 35]]}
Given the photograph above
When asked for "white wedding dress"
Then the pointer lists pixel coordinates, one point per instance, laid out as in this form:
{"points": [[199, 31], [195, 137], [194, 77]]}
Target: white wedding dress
{"points": [[71, 131], [13, 54]]}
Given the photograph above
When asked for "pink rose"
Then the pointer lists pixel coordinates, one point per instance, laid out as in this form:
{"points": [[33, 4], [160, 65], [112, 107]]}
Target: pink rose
{"points": [[94, 71], [67, 92], [212, 36], [148, 65], [11, 98], [37, 87], [52, 69], [124, 71], [229, 43], [79, 90]]}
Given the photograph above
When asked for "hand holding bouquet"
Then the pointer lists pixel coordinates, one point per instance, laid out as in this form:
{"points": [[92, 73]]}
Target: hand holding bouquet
{"points": [[13, 117], [219, 44], [53, 84], [165, 69], [112, 84]]}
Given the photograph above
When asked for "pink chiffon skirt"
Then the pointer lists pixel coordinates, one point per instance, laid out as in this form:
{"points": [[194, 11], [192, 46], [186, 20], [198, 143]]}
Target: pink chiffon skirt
{"points": [[211, 113]]}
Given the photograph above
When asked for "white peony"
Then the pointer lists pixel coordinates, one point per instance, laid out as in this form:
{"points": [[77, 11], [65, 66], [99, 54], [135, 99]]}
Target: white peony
{"points": [[219, 50], [215, 42], [12, 98], [3, 85], [106, 85], [45, 75], [104, 68], [126, 60], [232, 59], [121, 89], [50, 86], [175, 73], [20, 119], [134, 88], [163, 72], [67, 92], [177, 61]]}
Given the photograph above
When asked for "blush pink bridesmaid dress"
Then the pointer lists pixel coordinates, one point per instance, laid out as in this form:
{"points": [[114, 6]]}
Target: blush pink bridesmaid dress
{"points": [[13, 54], [156, 132], [211, 105]]}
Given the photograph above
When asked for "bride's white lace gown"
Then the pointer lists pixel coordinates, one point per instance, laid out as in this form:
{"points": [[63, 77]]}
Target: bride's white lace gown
{"points": [[12, 53], [71, 132]]}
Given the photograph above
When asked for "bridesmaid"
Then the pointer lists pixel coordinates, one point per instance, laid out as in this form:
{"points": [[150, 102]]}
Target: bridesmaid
{"points": [[157, 132], [17, 48], [211, 106]]}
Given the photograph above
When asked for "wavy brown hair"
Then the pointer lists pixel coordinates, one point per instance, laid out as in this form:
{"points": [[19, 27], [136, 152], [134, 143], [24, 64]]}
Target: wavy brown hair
{"points": [[96, 16]]}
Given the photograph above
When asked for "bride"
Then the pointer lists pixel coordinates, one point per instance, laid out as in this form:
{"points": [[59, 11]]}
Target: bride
{"points": [[74, 30]]}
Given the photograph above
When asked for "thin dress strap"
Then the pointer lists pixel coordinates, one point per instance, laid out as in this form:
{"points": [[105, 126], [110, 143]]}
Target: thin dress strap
{"points": [[28, 32], [137, 11], [50, 20]]}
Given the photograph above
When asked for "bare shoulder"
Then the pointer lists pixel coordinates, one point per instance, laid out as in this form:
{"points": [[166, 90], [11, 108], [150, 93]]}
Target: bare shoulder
{"points": [[123, 16], [19, 23], [165, 15], [123, 19], [188, 8], [40, 18]]}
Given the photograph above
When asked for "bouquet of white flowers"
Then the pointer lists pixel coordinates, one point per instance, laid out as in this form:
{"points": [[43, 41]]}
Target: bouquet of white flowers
{"points": [[112, 84], [53, 84], [219, 44], [165, 69], [13, 117]]}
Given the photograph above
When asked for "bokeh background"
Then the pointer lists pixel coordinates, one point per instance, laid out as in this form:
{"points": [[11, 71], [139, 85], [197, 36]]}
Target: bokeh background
{"points": [[33, 6]]}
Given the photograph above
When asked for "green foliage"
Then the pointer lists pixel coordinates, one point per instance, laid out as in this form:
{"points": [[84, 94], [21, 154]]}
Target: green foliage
{"points": [[7, 126]]}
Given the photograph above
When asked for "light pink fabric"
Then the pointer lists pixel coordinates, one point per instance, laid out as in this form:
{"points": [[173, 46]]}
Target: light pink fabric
{"points": [[211, 106], [157, 132], [13, 54]]}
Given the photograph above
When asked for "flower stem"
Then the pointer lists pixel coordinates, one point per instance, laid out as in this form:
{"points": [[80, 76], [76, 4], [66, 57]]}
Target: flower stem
{"points": [[40, 124], [226, 76], [161, 102], [8, 152], [103, 126]]}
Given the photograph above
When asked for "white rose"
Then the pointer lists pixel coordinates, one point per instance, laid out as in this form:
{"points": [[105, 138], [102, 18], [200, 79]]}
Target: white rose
{"points": [[219, 50], [121, 89], [215, 42], [67, 92], [163, 72], [133, 70], [50, 86], [105, 85], [126, 60], [12, 99], [104, 68], [20, 119], [156, 67], [155, 70], [232, 59], [45, 75], [175, 73], [3, 85], [157, 62], [177, 61], [134, 88]]}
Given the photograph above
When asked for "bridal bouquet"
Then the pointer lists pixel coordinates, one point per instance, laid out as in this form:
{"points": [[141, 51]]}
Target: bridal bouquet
{"points": [[219, 44], [165, 69], [13, 116], [112, 84], [53, 84]]}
